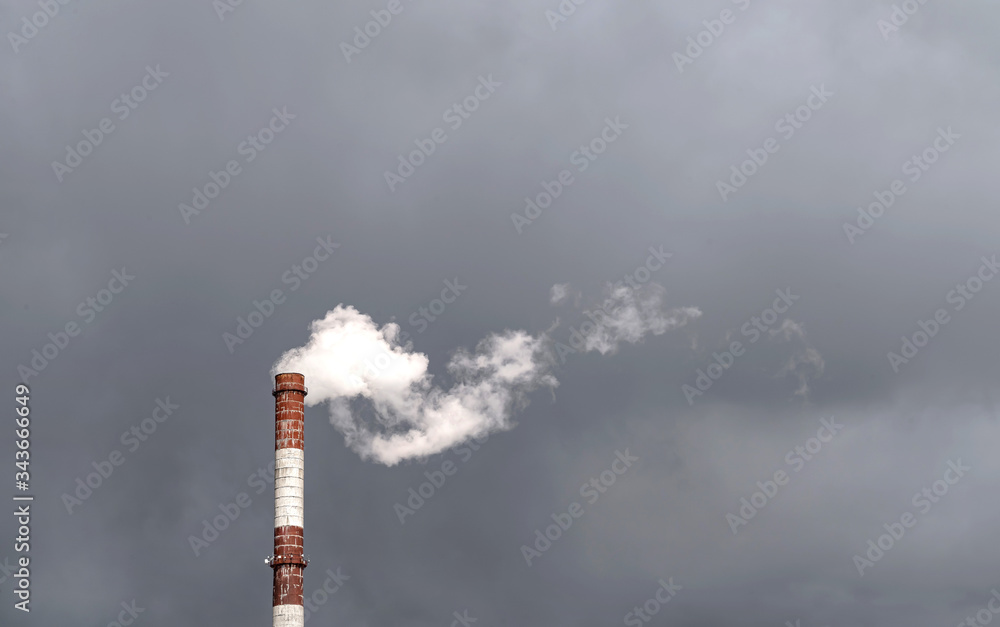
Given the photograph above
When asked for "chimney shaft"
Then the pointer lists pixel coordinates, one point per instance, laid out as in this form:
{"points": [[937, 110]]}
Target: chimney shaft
{"points": [[288, 561]]}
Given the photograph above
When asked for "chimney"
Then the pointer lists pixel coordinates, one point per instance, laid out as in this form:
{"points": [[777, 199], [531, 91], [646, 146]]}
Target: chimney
{"points": [[288, 561]]}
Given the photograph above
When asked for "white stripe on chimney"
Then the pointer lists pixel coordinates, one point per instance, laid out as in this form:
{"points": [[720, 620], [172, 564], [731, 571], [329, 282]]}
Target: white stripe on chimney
{"points": [[289, 484]]}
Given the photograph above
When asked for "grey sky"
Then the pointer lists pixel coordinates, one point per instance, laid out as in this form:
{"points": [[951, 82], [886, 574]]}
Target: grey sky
{"points": [[683, 128]]}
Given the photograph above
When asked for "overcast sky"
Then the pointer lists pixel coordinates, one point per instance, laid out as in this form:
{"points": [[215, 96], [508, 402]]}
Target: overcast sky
{"points": [[842, 104]]}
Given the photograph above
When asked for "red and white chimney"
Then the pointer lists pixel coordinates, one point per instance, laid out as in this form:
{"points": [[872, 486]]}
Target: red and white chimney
{"points": [[288, 561]]}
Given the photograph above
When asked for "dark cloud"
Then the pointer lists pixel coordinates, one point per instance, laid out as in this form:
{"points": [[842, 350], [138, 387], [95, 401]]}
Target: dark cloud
{"points": [[655, 185]]}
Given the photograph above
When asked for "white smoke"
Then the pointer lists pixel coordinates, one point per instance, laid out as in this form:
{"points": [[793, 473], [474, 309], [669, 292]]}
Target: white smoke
{"points": [[629, 314], [806, 363], [558, 293], [348, 359]]}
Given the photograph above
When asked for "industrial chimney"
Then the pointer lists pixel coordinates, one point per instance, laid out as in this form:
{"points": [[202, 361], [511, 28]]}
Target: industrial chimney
{"points": [[288, 561]]}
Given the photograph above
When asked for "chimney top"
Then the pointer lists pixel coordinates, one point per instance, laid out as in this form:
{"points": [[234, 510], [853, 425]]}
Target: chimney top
{"points": [[290, 382]]}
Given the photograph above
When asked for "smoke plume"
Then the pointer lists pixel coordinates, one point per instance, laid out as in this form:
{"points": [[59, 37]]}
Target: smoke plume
{"points": [[352, 364]]}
